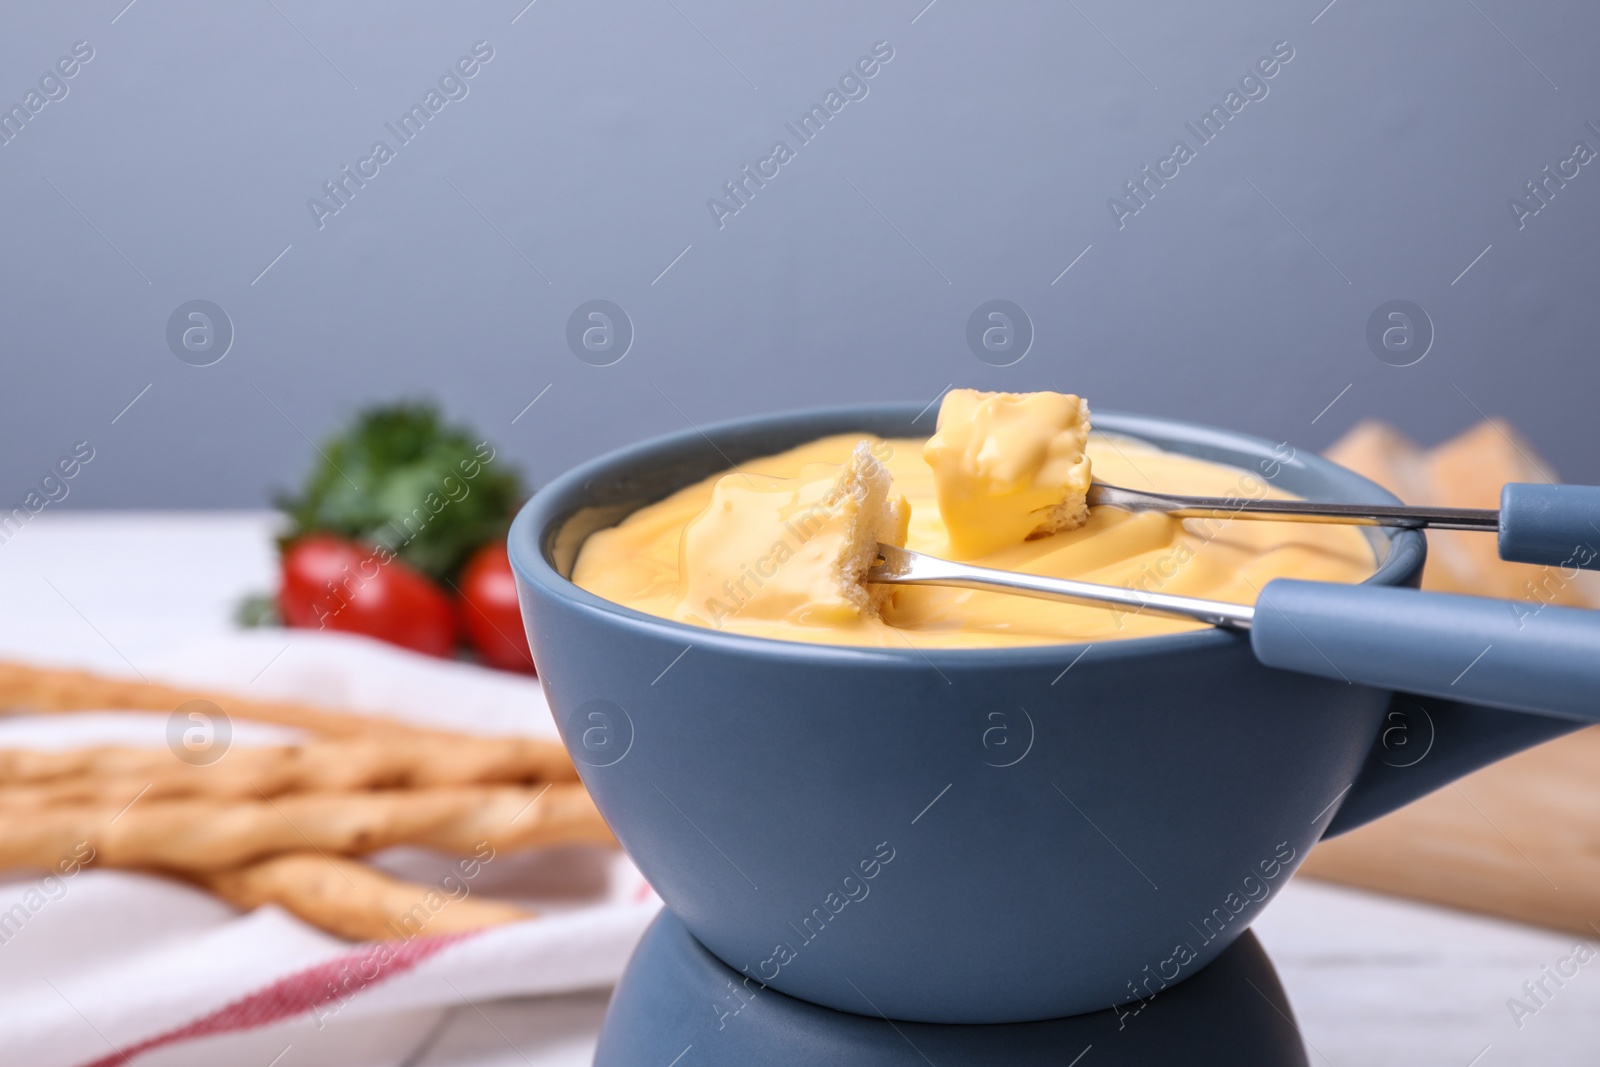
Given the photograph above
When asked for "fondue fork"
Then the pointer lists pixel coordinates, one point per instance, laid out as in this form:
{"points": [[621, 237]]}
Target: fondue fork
{"points": [[1555, 525], [901, 566], [1221, 507], [1476, 650]]}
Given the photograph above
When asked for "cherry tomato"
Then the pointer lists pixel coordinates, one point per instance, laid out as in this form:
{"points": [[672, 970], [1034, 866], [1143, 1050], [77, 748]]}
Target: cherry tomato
{"points": [[334, 584], [488, 613]]}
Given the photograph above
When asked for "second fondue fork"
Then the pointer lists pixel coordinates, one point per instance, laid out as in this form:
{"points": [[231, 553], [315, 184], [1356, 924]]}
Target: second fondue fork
{"points": [[1546, 524]]}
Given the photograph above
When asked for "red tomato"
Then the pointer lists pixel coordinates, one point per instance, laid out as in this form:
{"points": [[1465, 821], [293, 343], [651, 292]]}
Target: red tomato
{"points": [[488, 613], [334, 584]]}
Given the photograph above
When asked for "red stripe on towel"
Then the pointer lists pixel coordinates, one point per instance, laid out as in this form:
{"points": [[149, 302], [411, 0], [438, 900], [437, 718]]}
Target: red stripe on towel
{"points": [[334, 981]]}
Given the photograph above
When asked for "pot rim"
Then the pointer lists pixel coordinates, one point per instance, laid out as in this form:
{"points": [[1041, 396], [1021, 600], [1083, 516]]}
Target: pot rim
{"points": [[531, 538]]}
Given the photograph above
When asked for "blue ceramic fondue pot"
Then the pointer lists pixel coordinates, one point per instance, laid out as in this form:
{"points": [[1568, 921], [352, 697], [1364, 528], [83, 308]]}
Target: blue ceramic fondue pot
{"points": [[967, 835]]}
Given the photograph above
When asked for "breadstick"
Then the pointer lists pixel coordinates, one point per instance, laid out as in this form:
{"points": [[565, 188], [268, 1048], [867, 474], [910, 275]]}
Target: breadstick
{"points": [[41, 689], [354, 901], [338, 765], [206, 835]]}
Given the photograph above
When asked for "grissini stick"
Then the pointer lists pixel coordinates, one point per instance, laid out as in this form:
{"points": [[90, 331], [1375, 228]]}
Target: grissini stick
{"points": [[350, 899], [200, 834], [28, 688], [375, 761]]}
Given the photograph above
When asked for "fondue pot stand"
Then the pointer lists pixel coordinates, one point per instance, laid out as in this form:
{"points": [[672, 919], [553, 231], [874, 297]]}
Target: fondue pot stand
{"points": [[957, 836], [679, 1003]]}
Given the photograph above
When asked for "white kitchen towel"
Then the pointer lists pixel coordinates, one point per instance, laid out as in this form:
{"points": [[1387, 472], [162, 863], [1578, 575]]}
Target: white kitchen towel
{"points": [[97, 965]]}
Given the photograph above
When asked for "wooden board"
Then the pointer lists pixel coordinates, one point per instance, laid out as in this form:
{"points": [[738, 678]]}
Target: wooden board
{"points": [[1519, 840]]}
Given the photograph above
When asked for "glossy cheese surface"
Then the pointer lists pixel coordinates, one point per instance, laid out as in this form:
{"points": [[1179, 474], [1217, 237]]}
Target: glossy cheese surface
{"points": [[640, 562]]}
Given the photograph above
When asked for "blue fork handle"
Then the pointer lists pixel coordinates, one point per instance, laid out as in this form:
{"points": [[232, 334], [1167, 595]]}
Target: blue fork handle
{"points": [[1517, 655], [1554, 525]]}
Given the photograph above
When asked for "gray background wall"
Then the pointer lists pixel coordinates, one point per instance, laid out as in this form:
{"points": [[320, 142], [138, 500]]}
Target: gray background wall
{"points": [[979, 166]]}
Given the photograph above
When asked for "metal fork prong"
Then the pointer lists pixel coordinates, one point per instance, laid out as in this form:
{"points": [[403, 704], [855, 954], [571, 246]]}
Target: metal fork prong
{"points": [[901, 566]]}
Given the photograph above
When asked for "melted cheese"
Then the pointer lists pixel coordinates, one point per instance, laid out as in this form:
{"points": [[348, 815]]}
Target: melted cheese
{"points": [[641, 562]]}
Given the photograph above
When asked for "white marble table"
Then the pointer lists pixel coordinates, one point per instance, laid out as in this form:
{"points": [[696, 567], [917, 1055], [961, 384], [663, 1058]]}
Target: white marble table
{"points": [[1373, 981]]}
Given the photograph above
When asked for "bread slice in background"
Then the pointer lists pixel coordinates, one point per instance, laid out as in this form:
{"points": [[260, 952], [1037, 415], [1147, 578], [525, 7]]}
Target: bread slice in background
{"points": [[1467, 471], [1501, 840]]}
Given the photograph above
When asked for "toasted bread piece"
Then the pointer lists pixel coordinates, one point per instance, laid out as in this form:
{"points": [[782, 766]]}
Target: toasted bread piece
{"points": [[792, 548], [1468, 471], [1376, 450], [1009, 467]]}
